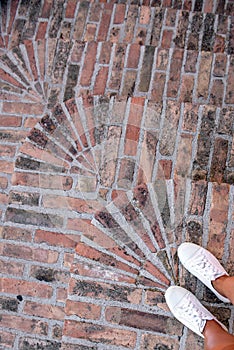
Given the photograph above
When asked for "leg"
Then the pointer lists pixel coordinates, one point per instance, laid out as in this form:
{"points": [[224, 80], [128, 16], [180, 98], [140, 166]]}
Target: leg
{"points": [[216, 338], [225, 286]]}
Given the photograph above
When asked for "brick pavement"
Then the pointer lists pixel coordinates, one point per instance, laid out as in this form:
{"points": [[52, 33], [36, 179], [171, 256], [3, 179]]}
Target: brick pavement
{"points": [[116, 145]]}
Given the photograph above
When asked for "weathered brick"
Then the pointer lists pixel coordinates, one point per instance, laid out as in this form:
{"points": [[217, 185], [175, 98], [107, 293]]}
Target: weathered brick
{"points": [[105, 291], [6, 167], [157, 26], [95, 12], [151, 342], [42, 181], [88, 67], [106, 48], [133, 56], [143, 320], [146, 70], [24, 198], [101, 81], [99, 333], [105, 22], [83, 310], [204, 142], [181, 29], [15, 233], [167, 141], [191, 61], [219, 159], [186, 92], [131, 16], [226, 121], [7, 339], [90, 32], [21, 287], [218, 219], [194, 232], [80, 20], [204, 75], [11, 268], [71, 8], [170, 17], [29, 253], [44, 310], [119, 13], [208, 33], [217, 93], [193, 39], [26, 343], [220, 65], [103, 272], [30, 217], [129, 83], [175, 71], [118, 63], [229, 98], [198, 198]]}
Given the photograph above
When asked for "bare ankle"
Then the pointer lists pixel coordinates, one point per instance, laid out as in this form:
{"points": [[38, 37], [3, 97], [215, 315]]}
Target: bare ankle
{"points": [[225, 286]]}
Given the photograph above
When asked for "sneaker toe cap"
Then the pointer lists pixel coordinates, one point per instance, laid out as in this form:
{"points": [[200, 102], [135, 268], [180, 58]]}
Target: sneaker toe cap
{"points": [[174, 295], [186, 251]]}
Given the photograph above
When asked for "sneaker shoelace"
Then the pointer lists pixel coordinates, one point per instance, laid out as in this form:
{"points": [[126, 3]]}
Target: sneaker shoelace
{"points": [[203, 265], [190, 311]]}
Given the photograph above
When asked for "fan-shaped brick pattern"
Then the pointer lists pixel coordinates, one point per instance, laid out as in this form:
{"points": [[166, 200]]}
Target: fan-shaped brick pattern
{"points": [[116, 124]]}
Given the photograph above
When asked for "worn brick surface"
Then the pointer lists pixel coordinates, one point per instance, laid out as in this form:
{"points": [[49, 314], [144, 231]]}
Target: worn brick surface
{"points": [[116, 144]]}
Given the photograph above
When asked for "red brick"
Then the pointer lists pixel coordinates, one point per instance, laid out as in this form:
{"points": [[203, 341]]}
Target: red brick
{"points": [[42, 181], [167, 38], [70, 9], [100, 334], [27, 253], [105, 53], [133, 56], [144, 15], [219, 44], [186, 92], [102, 258], [46, 8], [30, 51], [191, 61], [56, 239], [41, 31], [89, 62], [198, 198], [164, 169], [23, 108], [220, 65], [90, 32], [30, 122], [208, 7], [11, 268], [204, 75], [217, 93], [10, 121], [23, 324], [6, 167], [7, 339], [33, 289], [119, 13], [8, 78], [44, 310], [143, 320], [190, 117], [103, 272], [105, 22], [83, 310], [131, 140], [61, 295], [218, 219], [158, 86], [7, 151], [230, 83], [16, 233], [101, 80], [218, 164], [99, 290], [175, 71], [77, 204]]}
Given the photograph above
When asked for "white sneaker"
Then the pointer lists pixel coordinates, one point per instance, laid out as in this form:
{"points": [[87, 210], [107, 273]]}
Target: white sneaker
{"points": [[202, 264], [188, 310]]}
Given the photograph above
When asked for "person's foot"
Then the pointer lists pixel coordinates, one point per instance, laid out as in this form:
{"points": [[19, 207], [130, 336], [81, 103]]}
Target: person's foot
{"points": [[188, 310], [203, 265]]}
